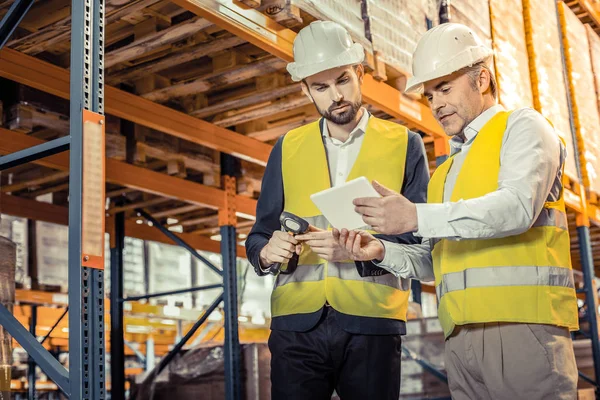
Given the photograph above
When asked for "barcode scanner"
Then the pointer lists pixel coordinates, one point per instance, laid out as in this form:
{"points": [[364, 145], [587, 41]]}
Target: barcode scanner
{"points": [[294, 225]]}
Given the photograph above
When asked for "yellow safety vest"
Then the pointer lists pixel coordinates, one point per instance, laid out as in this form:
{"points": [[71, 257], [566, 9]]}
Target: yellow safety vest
{"points": [[305, 171], [522, 278]]}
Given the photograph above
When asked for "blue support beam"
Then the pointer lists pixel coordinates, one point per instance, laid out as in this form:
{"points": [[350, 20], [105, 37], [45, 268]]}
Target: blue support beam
{"points": [[169, 357], [12, 19], [55, 325], [588, 379], [40, 355], [35, 153], [230, 169], [171, 292], [31, 362], [117, 351], [141, 357], [79, 22], [86, 285], [177, 239], [425, 364], [587, 266], [233, 364]]}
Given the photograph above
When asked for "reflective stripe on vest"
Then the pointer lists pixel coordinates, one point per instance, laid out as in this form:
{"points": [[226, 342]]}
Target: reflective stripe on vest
{"points": [[305, 171], [520, 278], [505, 276], [552, 217]]}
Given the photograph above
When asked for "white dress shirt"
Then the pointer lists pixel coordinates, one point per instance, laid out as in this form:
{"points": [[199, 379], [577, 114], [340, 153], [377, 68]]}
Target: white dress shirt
{"points": [[341, 156], [530, 162]]}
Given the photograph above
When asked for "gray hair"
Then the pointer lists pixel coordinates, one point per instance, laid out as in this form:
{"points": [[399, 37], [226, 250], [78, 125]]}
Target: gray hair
{"points": [[475, 70]]}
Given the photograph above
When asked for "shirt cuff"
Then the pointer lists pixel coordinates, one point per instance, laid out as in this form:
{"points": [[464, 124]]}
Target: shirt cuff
{"points": [[433, 221], [266, 270], [388, 259]]}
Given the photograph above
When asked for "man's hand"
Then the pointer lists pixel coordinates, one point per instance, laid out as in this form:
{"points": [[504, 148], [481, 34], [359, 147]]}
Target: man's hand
{"points": [[323, 243], [280, 249], [361, 245], [392, 214]]}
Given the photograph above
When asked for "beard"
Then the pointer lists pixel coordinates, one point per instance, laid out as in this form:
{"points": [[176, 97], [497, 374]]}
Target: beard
{"points": [[344, 117]]}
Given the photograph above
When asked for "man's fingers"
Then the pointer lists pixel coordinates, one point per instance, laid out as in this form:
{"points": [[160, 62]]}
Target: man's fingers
{"points": [[286, 237], [343, 238], [367, 201], [317, 244], [382, 190], [321, 235], [363, 210], [336, 234], [285, 246], [350, 241], [277, 251], [356, 246], [372, 221], [298, 249]]}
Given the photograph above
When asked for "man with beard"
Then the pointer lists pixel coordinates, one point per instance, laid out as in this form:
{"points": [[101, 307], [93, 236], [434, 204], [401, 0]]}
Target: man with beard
{"points": [[336, 324], [498, 238]]}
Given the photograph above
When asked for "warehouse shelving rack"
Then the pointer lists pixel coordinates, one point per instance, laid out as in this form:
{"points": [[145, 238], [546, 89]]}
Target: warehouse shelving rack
{"points": [[86, 377]]}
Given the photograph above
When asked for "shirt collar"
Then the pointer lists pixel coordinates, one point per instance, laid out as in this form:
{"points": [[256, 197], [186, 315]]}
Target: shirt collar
{"points": [[360, 128], [471, 130]]}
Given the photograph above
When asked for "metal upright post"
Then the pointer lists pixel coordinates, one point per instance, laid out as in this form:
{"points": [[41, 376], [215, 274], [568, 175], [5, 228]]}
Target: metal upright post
{"points": [[31, 363], [228, 221], [86, 218], [587, 267], [117, 349]]}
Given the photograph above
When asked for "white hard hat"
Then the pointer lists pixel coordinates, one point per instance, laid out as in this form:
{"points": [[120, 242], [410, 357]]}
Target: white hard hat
{"points": [[320, 46], [442, 51]]}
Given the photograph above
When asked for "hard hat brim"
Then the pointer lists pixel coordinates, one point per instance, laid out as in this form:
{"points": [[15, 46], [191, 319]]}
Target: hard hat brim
{"points": [[415, 83], [354, 55]]}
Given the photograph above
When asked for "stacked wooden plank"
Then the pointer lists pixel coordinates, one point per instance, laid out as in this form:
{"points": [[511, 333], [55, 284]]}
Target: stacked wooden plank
{"points": [[395, 26], [583, 96], [511, 59], [547, 72]]}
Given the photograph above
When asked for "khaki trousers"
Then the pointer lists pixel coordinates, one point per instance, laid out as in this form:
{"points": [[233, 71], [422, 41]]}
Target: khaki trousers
{"points": [[511, 361]]}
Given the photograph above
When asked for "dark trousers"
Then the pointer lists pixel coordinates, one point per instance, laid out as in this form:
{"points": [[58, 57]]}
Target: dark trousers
{"points": [[310, 365]]}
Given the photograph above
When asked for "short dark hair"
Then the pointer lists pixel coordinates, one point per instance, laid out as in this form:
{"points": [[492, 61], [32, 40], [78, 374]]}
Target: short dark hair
{"points": [[354, 67], [473, 72]]}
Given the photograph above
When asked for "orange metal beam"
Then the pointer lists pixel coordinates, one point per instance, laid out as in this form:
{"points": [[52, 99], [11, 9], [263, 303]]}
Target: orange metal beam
{"points": [[38, 211], [265, 33], [49, 78], [135, 177]]}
